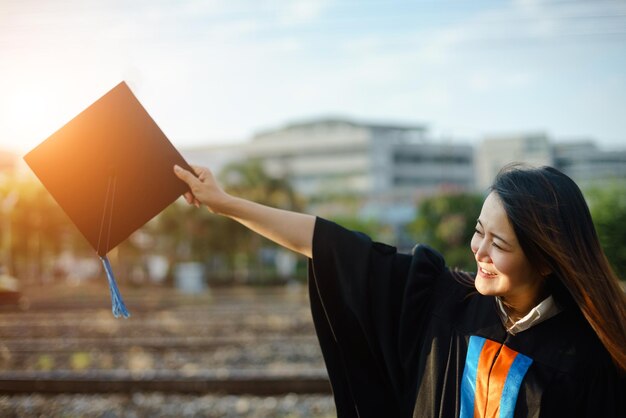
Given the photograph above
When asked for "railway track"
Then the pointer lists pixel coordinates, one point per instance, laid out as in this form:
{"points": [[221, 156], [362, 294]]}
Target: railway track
{"points": [[188, 343], [231, 343], [231, 382]]}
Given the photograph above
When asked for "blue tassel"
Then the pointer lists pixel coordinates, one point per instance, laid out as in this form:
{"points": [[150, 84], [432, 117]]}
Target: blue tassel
{"points": [[117, 304]]}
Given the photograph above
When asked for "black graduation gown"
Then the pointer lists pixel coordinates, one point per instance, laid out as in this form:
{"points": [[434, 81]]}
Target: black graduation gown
{"points": [[402, 337]]}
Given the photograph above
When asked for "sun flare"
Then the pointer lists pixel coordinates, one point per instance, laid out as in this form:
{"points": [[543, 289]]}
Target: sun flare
{"points": [[27, 117]]}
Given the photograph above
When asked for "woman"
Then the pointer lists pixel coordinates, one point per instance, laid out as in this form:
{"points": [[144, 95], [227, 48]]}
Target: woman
{"points": [[539, 331]]}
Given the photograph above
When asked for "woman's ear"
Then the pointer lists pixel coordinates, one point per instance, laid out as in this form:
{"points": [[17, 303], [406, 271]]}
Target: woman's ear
{"points": [[545, 271]]}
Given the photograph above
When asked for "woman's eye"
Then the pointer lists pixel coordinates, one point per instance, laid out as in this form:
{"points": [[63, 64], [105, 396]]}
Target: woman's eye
{"points": [[477, 231], [496, 245]]}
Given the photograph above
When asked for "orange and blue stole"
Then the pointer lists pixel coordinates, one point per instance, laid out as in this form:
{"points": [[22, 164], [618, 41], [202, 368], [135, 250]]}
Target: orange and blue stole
{"points": [[491, 380]]}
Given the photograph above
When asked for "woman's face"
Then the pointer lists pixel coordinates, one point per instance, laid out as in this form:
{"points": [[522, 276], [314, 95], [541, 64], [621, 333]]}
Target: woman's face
{"points": [[502, 267]]}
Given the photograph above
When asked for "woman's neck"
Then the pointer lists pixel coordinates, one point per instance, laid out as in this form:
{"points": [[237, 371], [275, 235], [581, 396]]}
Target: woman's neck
{"points": [[517, 308]]}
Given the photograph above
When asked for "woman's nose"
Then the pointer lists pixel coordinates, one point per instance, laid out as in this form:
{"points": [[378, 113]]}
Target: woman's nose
{"points": [[481, 253]]}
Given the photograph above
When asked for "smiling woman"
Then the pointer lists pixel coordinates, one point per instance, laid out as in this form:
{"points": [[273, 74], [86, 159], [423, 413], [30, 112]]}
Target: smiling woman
{"points": [[540, 330], [503, 269], [553, 226]]}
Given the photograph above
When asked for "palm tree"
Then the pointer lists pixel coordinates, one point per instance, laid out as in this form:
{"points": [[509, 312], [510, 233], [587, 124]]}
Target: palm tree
{"points": [[251, 180], [229, 250]]}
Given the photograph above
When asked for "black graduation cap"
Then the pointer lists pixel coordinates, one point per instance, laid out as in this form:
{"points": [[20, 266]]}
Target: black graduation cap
{"points": [[110, 169]]}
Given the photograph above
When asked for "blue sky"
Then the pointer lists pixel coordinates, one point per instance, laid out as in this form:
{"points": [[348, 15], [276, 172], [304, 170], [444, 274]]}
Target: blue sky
{"points": [[218, 71]]}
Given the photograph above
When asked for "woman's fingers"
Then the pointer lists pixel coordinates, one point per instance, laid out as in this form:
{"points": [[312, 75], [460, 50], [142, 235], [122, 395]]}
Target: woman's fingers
{"points": [[202, 187], [191, 181], [200, 172], [184, 175]]}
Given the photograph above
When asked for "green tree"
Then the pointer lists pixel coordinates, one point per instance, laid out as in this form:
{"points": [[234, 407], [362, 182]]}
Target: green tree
{"points": [[446, 222], [608, 209], [249, 179], [368, 226], [34, 229], [187, 234]]}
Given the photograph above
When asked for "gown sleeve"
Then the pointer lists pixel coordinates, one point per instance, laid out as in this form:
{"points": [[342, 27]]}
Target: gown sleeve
{"points": [[358, 289], [605, 391]]}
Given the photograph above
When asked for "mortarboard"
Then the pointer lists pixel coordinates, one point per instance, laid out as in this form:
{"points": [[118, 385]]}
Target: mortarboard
{"points": [[110, 169]]}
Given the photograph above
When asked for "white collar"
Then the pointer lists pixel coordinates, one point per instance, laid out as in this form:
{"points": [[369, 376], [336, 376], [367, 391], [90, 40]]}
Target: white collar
{"points": [[543, 311]]}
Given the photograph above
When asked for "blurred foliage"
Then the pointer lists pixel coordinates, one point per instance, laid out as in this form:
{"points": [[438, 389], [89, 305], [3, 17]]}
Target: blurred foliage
{"points": [[446, 222], [250, 180], [370, 227], [34, 229], [35, 232], [45, 362], [230, 251], [608, 209], [80, 360]]}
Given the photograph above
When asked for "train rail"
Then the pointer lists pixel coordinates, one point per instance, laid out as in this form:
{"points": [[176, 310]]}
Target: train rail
{"points": [[234, 382]]}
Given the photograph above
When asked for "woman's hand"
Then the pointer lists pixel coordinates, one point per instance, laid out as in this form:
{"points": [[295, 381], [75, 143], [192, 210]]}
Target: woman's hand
{"points": [[203, 188]]}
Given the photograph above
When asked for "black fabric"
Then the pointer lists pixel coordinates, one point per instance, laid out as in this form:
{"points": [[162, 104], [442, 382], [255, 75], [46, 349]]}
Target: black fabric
{"points": [[394, 330]]}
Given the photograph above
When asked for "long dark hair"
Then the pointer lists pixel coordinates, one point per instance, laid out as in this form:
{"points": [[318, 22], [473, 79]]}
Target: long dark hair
{"points": [[554, 228]]}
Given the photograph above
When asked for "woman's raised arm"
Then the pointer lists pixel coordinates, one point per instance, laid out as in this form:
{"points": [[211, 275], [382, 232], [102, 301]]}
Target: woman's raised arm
{"points": [[291, 230]]}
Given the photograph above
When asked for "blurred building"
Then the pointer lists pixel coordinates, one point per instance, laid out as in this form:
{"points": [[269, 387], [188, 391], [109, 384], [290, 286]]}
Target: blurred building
{"points": [[583, 161], [495, 152], [383, 167], [588, 165], [382, 171]]}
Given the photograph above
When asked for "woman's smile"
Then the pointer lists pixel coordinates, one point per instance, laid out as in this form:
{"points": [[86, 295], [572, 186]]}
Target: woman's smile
{"points": [[485, 273]]}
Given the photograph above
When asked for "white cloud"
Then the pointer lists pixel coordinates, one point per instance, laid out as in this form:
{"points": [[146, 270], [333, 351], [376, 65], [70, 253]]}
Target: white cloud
{"points": [[295, 12], [207, 69], [487, 80]]}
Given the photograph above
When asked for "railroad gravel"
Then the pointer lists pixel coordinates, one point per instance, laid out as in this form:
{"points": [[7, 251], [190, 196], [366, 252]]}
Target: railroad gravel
{"points": [[157, 405]]}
